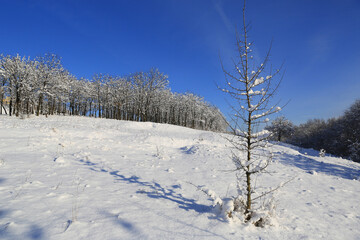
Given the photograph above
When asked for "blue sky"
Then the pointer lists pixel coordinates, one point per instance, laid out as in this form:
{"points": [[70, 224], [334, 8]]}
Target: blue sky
{"points": [[318, 41]]}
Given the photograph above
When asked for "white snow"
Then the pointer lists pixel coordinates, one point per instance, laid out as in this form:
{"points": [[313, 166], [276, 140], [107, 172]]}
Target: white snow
{"points": [[86, 178], [261, 134], [258, 81]]}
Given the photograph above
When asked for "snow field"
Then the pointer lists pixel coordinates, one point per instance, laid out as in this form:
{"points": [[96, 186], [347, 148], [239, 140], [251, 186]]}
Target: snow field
{"points": [[84, 178]]}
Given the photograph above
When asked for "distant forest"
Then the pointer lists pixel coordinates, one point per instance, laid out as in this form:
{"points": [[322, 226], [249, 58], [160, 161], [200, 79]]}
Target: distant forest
{"points": [[42, 86], [339, 136]]}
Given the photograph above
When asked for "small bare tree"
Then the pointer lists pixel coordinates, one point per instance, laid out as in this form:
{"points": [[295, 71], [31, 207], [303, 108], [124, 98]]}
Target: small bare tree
{"points": [[251, 86]]}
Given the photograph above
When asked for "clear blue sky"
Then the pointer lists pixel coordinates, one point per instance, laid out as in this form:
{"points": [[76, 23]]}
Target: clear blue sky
{"points": [[318, 40]]}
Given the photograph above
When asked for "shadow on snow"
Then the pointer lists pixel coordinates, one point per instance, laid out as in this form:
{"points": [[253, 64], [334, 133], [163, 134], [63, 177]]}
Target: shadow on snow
{"points": [[34, 232], [307, 164], [154, 189], [125, 224]]}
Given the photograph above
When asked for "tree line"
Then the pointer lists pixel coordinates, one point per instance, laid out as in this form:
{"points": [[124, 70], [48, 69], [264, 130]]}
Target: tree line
{"points": [[339, 136], [42, 86]]}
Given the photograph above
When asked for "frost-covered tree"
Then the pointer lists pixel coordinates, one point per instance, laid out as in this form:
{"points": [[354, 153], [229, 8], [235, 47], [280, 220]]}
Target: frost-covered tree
{"points": [[311, 134], [251, 86], [281, 128], [17, 71], [43, 87], [339, 136], [49, 68], [3, 85], [351, 133]]}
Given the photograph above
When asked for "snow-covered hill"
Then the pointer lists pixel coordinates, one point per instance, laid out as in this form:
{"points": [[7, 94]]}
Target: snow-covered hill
{"points": [[85, 178]]}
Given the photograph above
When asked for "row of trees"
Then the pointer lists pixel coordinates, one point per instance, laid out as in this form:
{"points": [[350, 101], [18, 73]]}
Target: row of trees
{"points": [[42, 86], [338, 136]]}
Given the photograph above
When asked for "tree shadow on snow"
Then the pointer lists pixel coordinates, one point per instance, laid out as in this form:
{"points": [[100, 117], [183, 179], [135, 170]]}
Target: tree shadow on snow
{"points": [[309, 165], [34, 232], [127, 225], [2, 180], [3, 213], [87, 162], [154, 189]]}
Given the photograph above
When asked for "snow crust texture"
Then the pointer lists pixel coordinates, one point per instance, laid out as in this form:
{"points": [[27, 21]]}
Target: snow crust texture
{"points": [[83, 178]]}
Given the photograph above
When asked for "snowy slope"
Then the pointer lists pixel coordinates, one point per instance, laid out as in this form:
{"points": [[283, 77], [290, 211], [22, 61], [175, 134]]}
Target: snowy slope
{"points": [[82, 178]]}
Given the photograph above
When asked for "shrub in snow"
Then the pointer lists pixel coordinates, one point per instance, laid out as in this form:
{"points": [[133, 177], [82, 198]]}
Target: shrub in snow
{"points": [[312, 172], [233, 209], [322, 153]]}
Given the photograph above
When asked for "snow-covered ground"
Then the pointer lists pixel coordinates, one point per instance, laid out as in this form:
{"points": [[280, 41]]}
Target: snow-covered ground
{"points": [[83, 178]]}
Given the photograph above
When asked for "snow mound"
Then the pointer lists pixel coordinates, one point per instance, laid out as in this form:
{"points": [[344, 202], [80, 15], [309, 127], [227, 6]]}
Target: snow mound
{"points": [[60, 160]]}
